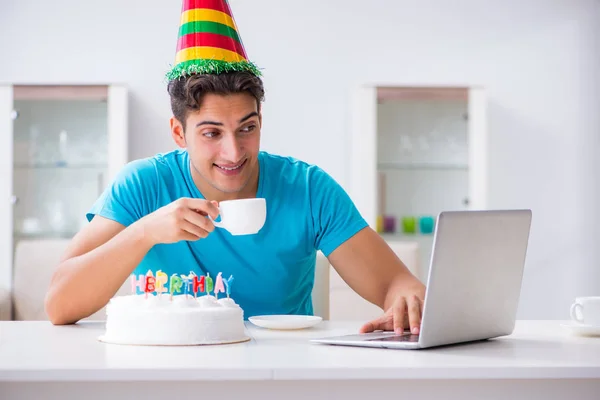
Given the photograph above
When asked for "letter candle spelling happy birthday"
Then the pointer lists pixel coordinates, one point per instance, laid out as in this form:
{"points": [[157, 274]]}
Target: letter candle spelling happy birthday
{"points": [[177, 283], [186, 284], [175, 286], [198, 285], [219, 285], [209, 283], [150, 281], [161, 281], [228, 282], [138, 283]]}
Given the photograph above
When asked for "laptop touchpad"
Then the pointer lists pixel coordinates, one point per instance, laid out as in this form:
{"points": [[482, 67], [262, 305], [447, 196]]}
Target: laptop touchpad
{"points": [[397, 338]]}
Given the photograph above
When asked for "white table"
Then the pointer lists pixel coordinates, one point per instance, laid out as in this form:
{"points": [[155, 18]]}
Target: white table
{"points": [[540, 360]]}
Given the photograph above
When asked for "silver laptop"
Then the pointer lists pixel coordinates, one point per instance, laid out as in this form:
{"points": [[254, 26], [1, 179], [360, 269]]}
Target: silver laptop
{"points": [[474, 282]]}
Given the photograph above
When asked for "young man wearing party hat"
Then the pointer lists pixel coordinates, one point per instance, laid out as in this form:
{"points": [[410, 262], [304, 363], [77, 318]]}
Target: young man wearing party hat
{"points": [[154, 214]]}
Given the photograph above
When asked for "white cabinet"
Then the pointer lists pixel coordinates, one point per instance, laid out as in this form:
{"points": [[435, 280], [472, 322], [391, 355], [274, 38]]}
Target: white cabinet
{"points": [[416, 131], [61, 146], [415, 151], [431, 157]]}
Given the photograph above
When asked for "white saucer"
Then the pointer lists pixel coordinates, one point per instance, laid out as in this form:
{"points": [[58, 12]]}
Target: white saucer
{"points": [[286, 322], [582, 329]]}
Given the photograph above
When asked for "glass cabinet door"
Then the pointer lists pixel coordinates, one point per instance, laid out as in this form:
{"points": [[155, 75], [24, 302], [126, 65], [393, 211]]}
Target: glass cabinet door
{"points": [[60, 158]]}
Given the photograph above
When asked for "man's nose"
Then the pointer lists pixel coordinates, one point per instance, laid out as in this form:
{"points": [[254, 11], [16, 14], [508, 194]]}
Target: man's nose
{"points": [[232, 149]]}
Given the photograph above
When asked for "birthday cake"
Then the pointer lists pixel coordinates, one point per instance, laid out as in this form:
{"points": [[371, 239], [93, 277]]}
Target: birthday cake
{"points": [[186, 316]]}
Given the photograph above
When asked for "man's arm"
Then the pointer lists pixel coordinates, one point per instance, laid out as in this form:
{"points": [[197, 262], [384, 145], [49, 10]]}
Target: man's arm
{"points": [[104, 253], [371, 268], [95, 265]]}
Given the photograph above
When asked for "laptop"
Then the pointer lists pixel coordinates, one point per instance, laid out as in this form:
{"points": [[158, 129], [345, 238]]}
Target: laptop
{"points": [[473, 285]]}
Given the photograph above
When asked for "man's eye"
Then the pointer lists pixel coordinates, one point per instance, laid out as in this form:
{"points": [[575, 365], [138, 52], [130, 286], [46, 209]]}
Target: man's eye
{"points": [[249, 128], [210, 134]]}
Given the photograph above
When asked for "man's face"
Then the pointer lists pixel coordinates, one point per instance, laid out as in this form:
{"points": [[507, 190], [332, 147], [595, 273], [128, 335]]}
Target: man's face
{"points": [[223, 140]]}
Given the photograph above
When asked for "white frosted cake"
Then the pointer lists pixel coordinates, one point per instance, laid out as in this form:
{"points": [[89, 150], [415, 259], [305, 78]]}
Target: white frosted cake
{"points": [[182, 320]]}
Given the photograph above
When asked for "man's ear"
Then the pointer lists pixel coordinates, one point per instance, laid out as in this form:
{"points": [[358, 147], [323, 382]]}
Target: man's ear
{"points": [[177, 132]]}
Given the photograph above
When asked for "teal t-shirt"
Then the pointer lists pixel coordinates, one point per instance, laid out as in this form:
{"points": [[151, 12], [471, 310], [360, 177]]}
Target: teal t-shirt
{"points": [[273, 271]]}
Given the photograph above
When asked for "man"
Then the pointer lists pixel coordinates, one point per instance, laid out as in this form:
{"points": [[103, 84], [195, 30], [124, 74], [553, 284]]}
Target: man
{"points": [[155, 213]]}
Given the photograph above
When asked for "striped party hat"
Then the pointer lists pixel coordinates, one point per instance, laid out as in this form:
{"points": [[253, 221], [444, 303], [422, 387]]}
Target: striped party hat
{"points": [[209, 41]]}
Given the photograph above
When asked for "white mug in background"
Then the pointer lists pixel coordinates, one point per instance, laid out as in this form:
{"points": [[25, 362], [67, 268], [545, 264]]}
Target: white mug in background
{"points": [[586, 310], [242, 216]]}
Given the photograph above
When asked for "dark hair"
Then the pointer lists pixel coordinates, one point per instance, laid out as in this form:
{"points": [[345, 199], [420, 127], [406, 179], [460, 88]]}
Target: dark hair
{"points": [[187, 92]]}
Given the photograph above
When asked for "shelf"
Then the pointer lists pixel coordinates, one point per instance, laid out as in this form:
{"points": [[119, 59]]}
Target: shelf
{"points": [[406, 236], [43, 235], [422, 166], [60, 166], [61, 92]]}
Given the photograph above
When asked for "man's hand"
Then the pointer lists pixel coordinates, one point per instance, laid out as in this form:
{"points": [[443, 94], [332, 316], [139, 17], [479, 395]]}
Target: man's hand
{"points": [[405, 311], [370, 267], [183, 219]]}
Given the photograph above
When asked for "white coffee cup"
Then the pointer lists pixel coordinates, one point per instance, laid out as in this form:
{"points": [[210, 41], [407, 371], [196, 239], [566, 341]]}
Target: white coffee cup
{"points": [[242, 216], [586, 310]]}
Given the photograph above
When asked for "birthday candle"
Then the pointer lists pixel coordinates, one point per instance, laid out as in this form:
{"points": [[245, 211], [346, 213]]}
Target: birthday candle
{"points": [[186, 284], [219, 285], [138, 283], [228, 283], [190, 282], [175, 285], [161, 280], [209, 283], [198, 284], [150, 283]]}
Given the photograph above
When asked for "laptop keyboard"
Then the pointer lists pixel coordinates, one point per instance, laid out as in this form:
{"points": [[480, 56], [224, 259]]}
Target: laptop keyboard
{"points": [[398, 338]]}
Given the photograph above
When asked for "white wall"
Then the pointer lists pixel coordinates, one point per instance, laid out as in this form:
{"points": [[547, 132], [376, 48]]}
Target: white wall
{"points": [[538, 59]]}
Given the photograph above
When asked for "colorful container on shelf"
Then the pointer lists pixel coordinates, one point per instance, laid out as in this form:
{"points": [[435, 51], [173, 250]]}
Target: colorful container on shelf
{"points": [[385, 224], [426, 225], [379, 224], [389, 224], [410, 225]]}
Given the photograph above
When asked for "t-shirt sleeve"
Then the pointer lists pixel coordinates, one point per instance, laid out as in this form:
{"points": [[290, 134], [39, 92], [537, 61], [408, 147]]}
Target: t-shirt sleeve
{"points": [[335, 217], [130, 196]]}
